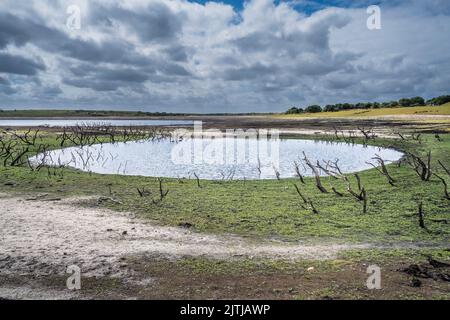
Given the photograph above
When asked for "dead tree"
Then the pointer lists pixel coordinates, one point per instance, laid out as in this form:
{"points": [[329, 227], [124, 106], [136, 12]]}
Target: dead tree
{"points": [[305, 200], [421, 167], [28, 138], [381, 168], [316, 174], [259, 167], [421, 216], [447, 196], [313, 208], [17, 161], [162, 193], [339, 194], [416, 137], [198, 179], [277, 173], [400, 135], [368, 134], [142, 192], [307, 203], [361, 195], [298, 173], [443, 167], [328, 171]]}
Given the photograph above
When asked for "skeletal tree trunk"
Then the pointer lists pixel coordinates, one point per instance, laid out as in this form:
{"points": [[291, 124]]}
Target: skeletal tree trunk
{"points": [[420, 214], [19, 157], [316, 174], [422, 169], [198, 180], [305, 200], [162, 193], [383, 170], [447, 196], [358, 179], [443, 167], [339, 194], [428, 171], [298, 173], [313, 208], [364, 195]]}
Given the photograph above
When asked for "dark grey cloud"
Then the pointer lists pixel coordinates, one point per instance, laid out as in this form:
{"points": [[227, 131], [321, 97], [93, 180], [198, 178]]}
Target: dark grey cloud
{"points": [[156, 22], [19, 65], [254, 71], [93, 84], [126, 75], [5, 87], [177, 55], [20, 31]]}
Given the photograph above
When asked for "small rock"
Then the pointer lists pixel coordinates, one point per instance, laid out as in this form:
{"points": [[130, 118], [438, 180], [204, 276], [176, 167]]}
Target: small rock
{"points": [[124, 233], [416, 283], [186, 225]]}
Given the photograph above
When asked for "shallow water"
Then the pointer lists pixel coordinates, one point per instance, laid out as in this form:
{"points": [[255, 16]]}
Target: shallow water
{"points": [[76, 122], [220, 158]]}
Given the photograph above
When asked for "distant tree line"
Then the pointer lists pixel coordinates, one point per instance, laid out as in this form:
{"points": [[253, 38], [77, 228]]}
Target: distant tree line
{"points": [[405, 102]]}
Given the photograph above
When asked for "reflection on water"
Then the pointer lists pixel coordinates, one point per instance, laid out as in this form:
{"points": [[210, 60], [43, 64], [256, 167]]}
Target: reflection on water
{"points": [[156, 158], [92, 122]]}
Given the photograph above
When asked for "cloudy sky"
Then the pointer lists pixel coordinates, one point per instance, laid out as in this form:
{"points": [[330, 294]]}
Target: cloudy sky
{"points": [[228, 56]]}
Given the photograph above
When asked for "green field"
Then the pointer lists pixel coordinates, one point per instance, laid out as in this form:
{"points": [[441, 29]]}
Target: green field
{"points": [[269, 208], [260, 211]]}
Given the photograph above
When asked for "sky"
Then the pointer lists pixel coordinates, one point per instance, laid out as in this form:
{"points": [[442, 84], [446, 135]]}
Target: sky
{"points": [[219, 56]]}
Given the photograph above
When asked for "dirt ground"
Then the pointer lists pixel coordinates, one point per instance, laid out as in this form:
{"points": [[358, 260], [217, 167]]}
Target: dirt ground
{"points": [[122, 257], [41, 238]]}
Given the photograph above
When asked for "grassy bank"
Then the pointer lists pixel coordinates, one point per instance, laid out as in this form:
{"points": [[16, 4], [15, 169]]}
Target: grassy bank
{"points": [[267, 209], [408, 111]]}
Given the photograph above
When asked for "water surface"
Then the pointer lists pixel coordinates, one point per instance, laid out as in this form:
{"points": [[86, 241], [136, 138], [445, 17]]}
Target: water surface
{"points": [[90, 122], [221, 158]]}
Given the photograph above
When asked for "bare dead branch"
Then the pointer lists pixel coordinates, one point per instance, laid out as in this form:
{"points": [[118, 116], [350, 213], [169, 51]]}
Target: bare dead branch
{"points": [[447, 196], [443, 167], [316, 174], [381, 168], [298, 172], [421, 167], [421, 216]]}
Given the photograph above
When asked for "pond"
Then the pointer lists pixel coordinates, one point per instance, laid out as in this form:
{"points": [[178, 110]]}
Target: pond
{"points": [[90, 122], [224, 158]]}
